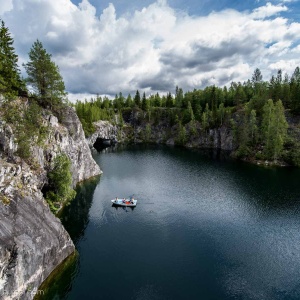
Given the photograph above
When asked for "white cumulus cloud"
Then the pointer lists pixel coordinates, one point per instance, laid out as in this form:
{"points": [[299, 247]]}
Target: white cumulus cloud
{"points": [[268, 10], [154, 48]]}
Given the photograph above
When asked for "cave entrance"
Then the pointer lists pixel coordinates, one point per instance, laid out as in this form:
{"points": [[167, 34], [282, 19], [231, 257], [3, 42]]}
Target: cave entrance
{"points": [[101, 144]]}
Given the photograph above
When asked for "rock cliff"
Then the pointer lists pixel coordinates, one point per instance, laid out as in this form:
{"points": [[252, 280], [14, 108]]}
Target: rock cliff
{"points": [[218, 138], [68, 136], [104, 130], [32, 240]]}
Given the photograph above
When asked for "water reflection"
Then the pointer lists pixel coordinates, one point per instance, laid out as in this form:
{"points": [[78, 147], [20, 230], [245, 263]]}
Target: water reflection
{"points": [[123, 207], [75, 217], [205, 227]]}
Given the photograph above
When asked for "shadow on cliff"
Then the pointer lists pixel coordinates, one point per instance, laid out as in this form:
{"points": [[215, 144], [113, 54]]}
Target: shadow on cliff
{"points": [[75, 218]]}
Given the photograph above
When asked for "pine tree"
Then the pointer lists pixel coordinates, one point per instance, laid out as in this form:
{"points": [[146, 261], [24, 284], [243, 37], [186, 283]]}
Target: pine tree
{"points": [[169, 101], [10, 81], [137, 99], [157, 100], [178, 97], [274, 129], [181, 139], [257, 76], [280, 129], [129, 101], [221, 113], [275, 86], [286, 93], [205, 120], [44, 76], [145, 103], [267, 122], [190, 112], [239, 94]]}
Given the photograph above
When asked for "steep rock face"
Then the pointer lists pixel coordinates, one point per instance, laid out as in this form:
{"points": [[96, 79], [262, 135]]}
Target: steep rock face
{"points": [[68, 137], [106, 131], [7, 141], [32, 240], [219, 138]]}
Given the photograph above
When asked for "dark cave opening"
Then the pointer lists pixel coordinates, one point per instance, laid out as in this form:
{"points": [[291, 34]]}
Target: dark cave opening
{"points": [[101, 144]]}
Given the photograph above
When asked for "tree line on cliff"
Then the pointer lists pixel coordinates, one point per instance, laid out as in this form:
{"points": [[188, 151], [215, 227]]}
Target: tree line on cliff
{"points": [[254, 110]]}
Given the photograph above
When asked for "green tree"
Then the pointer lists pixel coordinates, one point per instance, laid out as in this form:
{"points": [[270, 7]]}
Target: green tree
{"points": [[188, 114], [137, 99], [241, 133], [257, 76], [147, 133], [286, 92], [275, 86], [221, 113], [239, 94], [181, 139], [129, 101], [145, 103], [44, 76], [266, 126], [257, 80], [274, 129], [169, 101], [157, 100], [206, 116], [253, 125], [60, 182], [190, 111], [120, 119], [10, 80], [178, 97], [280, 129], [295, 90]]}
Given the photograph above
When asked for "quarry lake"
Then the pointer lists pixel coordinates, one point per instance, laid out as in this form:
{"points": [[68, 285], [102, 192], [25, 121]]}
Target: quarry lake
{"points": [[205, 227]]}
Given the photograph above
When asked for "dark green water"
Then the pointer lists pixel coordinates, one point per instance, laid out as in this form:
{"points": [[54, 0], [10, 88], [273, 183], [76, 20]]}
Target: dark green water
{"points": [[204, 228]]}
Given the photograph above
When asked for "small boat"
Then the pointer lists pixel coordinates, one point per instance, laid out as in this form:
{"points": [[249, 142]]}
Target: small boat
{"points": [[126, 202]]}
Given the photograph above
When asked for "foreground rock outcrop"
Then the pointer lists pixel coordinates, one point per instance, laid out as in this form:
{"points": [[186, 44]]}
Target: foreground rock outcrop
{"points": [[33, 241]]}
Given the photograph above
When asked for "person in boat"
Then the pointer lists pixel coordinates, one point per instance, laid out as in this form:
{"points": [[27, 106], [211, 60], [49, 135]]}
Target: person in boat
{"points": [[116, 200], [123, 200]]}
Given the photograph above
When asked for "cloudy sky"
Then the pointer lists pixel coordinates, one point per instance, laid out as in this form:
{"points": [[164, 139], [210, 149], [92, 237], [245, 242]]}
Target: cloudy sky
{"points": [[106, 47]]}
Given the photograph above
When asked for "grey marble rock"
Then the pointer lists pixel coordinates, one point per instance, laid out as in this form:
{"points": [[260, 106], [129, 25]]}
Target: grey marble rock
{"points": [[33, 242]]}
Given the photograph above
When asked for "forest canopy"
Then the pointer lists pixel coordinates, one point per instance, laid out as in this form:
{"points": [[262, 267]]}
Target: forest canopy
{"points": [[255, 110]]}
